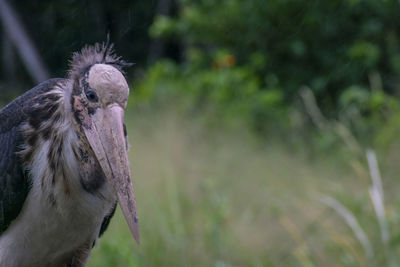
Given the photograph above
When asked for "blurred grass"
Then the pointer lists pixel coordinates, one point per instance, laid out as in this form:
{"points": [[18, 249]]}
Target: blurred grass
{"points": [[221, 198]]}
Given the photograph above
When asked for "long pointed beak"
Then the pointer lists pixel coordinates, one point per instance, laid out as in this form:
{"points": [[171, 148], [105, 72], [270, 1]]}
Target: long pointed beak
{"points": [[106, 137]]}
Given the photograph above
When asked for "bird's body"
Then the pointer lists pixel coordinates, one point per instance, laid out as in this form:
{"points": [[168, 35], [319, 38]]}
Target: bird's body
{"points": [[56, 194]]}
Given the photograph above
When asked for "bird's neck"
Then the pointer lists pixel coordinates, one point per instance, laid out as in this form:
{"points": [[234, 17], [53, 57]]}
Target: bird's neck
{"points": [[55, 152]]}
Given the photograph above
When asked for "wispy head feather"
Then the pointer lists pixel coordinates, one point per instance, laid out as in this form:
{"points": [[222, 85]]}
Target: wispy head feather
{"points": [[95, 54]]}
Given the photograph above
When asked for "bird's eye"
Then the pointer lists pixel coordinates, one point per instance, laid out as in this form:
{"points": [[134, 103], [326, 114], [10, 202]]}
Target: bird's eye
{"points": [[91, 96]]}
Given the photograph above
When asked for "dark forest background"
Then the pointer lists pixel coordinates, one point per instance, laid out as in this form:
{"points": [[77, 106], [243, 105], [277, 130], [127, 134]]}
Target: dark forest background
{"points": [[253, 58]]}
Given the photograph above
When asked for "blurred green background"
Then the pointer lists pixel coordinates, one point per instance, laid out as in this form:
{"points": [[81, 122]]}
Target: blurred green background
{"points": [[263, 133]]}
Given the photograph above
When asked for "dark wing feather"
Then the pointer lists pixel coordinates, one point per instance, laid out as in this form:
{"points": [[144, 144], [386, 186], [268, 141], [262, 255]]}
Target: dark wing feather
{"points": [[106, 220], [14, 183], [14, 113]]}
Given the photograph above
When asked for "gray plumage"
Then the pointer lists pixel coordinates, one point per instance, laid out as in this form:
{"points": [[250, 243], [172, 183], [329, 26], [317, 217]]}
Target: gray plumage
{"points": [[14, 183], [57, 191]]}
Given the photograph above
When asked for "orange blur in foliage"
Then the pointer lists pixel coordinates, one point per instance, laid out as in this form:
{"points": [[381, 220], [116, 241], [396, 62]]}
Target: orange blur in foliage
{"points": [[226, 61]]}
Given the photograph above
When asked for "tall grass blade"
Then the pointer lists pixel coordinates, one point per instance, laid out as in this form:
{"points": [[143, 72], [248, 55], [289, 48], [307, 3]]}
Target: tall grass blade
{"points": [[351, 222], [312, 108], [376, 194]]}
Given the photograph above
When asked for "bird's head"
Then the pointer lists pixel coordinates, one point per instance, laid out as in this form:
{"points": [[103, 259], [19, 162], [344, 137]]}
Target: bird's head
{"points": [[99, 97]]}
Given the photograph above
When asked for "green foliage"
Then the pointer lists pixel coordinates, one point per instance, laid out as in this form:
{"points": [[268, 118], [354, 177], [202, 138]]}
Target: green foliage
{"points": [[369, 114], [248, 60], [234, 95], [222, 93], [327, 45]]}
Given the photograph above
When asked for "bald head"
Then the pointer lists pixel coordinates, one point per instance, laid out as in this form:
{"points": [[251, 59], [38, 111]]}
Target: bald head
{"points": [[109, 84]]}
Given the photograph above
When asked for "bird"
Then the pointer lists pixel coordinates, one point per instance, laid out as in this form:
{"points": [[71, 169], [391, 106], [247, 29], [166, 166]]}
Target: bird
{"points": [[64, 163]]}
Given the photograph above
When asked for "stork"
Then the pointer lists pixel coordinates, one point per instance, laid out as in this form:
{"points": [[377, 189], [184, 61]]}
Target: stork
{"points": [[64, 163]]}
